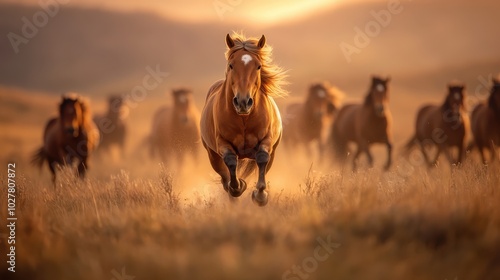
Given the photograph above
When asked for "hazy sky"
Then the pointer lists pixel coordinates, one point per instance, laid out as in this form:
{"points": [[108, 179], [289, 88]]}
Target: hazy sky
{"points": [[256, 11]]}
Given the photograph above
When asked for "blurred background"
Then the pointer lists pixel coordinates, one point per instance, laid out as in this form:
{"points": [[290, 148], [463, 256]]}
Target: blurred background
{"points": [[102, 47]]}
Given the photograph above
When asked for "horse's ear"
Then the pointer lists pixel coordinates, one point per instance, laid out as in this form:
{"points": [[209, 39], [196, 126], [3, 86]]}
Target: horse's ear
{"points": [[262, 42], [388, 79], [495, 80], [229, 41]]}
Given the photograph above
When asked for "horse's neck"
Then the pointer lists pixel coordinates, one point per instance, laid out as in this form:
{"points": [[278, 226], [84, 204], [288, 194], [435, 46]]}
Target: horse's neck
{"points": [[492, 106], [113, 116], [307, 111], [368, 105]]}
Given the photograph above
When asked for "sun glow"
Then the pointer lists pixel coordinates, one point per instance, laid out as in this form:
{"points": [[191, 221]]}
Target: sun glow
{"points": [[254, 12]]}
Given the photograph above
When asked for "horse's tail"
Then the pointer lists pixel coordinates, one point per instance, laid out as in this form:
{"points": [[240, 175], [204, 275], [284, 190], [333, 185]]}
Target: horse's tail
{"points": [[246, 167], [39, 157]]}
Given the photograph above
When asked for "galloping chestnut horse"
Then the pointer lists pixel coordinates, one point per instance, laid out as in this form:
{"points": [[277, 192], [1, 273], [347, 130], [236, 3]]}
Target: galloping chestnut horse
{"points": [[69, 137], [443, 126], [175, 131], [240, 123], [113, 125], [485, 121], [364, 124], [310, 121]]}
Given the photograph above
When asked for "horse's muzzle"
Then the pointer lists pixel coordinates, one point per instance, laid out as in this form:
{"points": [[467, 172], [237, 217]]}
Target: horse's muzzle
{"points": [[243, 105], [71, 131]]}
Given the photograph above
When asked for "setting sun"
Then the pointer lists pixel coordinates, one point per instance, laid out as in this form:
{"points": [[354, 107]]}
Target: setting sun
{"points": [[257, 11]]}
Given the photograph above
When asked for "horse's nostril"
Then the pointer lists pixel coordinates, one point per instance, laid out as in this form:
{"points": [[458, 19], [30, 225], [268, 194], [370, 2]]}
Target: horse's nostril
{"points": [[235, 101], [250, 102]]}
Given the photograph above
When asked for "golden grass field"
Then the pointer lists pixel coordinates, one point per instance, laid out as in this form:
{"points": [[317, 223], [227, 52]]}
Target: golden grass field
{"points": [[136, 219]]}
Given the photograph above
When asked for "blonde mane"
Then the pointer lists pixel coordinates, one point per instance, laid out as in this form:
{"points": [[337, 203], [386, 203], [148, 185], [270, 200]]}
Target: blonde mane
{"points": [[272, 76]]}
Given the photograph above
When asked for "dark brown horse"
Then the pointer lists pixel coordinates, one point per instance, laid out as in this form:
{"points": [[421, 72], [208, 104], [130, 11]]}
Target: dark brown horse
{"points": [[485, 121], [70, 137], [175, 132], [309, 122], [240, 124], [443, 126], [364, 124], [113, 124]]}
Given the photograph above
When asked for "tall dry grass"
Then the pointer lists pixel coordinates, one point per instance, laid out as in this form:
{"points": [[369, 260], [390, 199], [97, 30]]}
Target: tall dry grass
{"points": [[437, 224]]}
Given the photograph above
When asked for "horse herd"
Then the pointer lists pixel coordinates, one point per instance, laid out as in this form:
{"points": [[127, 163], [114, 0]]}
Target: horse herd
{"points": [[240, 125]]}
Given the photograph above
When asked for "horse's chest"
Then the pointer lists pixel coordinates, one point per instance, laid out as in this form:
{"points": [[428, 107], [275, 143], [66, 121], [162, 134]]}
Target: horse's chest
{"points": [[245, 142]]}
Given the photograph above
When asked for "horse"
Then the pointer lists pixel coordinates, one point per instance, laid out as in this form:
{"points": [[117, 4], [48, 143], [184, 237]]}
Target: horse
{"points": [[113, 125], [364, 124], [485, 122], [175, 131], [444, 126], [70, 137], [309, 122], [240, 124]]}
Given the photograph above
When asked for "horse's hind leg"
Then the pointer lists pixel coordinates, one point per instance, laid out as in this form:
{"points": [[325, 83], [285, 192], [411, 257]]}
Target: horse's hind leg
{"points": [[369, 156], [424, 153], [435, 161], [355, 158], [52, 167]]}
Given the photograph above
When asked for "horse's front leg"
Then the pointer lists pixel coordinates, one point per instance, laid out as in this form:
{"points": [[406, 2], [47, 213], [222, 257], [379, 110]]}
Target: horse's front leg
{"points": [[389, 156], [493, 150], [262, 158], [82, 167], [461, 149], [236, 186]]}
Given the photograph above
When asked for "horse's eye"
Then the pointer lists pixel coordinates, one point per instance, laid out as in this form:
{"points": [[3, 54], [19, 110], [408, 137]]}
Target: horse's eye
{"points": [[258, 67], [230, 66]]}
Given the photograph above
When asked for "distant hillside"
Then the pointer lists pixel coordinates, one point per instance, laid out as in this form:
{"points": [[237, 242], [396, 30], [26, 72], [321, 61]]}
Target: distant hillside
{"points": [[97, 51]]}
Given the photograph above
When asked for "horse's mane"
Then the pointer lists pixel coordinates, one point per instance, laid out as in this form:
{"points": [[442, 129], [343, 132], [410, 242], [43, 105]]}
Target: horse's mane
{"points": [[272, 76], [333, 92]]}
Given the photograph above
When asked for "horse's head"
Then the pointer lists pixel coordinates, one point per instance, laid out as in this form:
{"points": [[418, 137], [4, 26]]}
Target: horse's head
{"points": [[243, 75], [456, 97], [183, 98], [379, 95], [321, 101], [117, 107], [71, 113], [494, 100]]}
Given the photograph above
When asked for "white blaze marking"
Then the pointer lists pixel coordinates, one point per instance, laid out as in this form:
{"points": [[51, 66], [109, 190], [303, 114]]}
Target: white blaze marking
{"points": [[457, 96], [321, 93], [246, 58], [380, 88]]}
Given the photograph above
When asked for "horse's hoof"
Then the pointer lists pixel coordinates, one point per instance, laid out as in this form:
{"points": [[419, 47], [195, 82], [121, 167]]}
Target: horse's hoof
{"points": [[260, 197], [238, 191]]}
